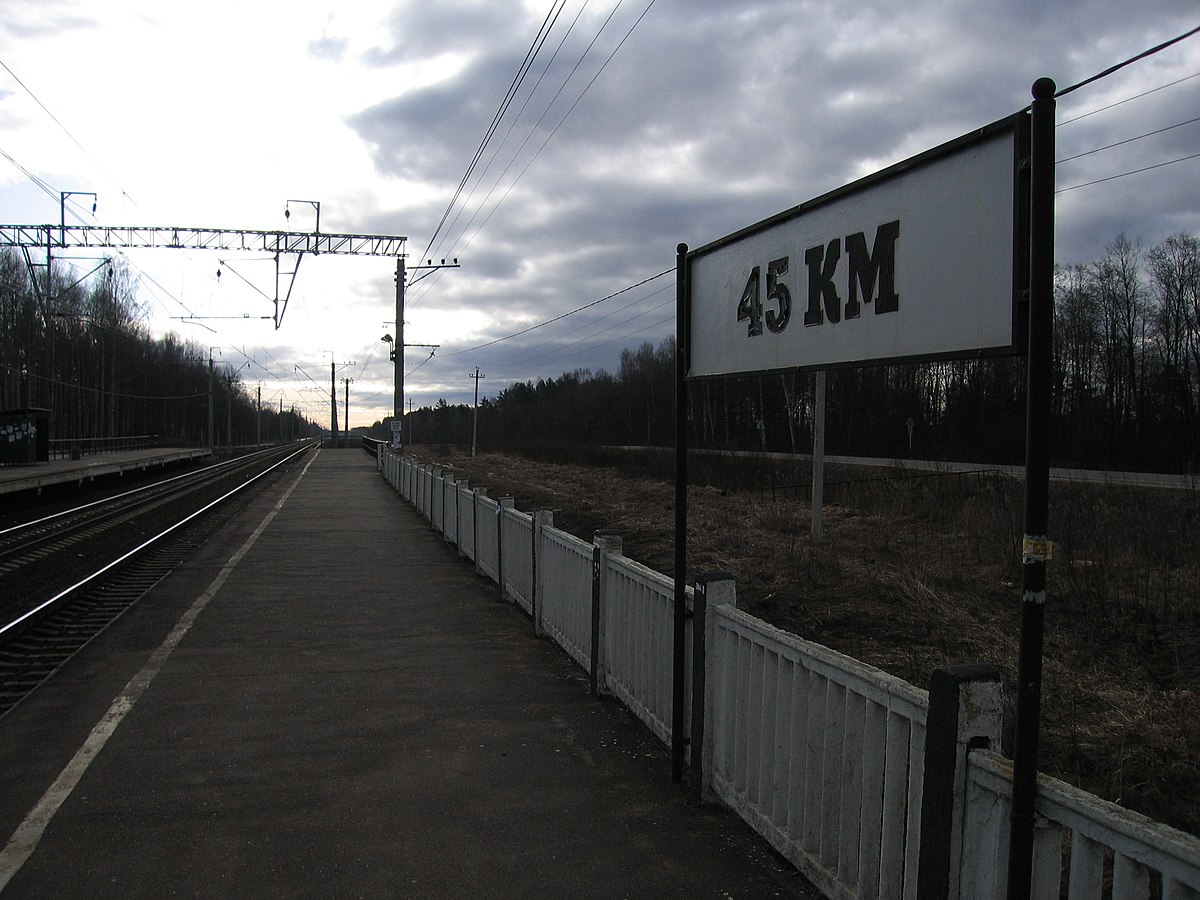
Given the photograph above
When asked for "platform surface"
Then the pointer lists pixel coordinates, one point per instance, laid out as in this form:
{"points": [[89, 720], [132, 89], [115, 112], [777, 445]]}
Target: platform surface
{"points": [[62, 471], [351, 712]]}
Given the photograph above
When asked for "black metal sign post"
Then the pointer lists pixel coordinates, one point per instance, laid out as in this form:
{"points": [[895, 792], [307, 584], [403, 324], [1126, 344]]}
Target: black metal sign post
{"points": [[1036, 547], [678, 745]]}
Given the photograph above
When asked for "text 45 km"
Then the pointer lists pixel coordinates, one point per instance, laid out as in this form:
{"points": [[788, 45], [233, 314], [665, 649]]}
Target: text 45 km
{"points": [[868, 269]]}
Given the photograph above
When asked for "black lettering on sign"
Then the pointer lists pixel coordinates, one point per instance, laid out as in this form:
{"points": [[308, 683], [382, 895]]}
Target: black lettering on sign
{"points": [[867, 268], [750, 305], [871, 279], [822, 262], [777, 319]]}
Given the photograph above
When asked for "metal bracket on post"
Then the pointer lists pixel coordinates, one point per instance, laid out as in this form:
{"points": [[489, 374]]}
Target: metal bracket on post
{"points": [[965, 713], [712, 589], [604, 543]]}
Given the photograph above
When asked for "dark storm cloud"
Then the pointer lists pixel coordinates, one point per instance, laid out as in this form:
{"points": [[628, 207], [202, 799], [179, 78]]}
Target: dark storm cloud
{"points": [[716, 115]]}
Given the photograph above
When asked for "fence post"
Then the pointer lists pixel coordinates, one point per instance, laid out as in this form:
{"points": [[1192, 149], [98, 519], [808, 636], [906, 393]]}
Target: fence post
{"points": [[442, 523], [476, 493], [459, 487], [604, 543], [965, 713], [542, 519], [447, 482], [712, 589], [503, 503]]}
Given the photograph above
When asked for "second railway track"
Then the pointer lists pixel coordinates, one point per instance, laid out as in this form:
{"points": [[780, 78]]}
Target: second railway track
{"points": [[64, 578]]}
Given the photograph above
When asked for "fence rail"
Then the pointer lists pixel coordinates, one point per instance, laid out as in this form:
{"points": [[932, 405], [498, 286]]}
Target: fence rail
{"points": [[871, 787]]}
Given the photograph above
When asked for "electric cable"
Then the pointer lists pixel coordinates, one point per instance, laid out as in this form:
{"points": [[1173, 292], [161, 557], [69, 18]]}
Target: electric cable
{"points": [[580, 309], [1121, 65], [1170, 162], [1146, 93], [64, 128], [530, 54], [533, 129], [561, 121], [1126, 141]]}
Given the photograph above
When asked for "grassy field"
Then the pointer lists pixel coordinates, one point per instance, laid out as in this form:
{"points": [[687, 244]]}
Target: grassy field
{"points": [[916, 573]]}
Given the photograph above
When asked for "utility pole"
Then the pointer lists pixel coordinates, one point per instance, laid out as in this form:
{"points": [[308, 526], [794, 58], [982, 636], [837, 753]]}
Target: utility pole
{"points": [[410, 421], [398, 352], [210, 399], [333, 422], [475, 414], [258, 418], [333, 429], [346, 407]]}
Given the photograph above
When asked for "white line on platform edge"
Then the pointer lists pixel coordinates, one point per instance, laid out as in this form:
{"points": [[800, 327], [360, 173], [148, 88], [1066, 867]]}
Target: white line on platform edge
{"points": [[25, 839]]}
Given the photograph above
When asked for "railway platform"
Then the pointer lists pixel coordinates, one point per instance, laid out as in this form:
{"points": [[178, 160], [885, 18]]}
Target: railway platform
{"points": [[325, 701], [67, 471]]}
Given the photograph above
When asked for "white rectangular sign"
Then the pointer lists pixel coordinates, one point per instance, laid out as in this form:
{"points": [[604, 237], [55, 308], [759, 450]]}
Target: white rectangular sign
{"points": [[917, 261]]}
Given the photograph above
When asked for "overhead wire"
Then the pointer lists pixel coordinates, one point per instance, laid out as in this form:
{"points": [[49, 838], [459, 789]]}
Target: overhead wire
{"points": [[1126, 141], [578, 63], [1161, 165], [56, 121], [505, 103], [533, 128], [559, 318], [1128, 62], [561, 121], [514, 119], [590, 342]]}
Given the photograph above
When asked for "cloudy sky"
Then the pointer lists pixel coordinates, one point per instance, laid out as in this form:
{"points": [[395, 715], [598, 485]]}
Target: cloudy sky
{"points": [[639, 124]]}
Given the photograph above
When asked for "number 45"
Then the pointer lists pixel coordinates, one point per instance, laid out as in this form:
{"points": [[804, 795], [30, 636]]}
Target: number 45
{"points": [[750, 305]]}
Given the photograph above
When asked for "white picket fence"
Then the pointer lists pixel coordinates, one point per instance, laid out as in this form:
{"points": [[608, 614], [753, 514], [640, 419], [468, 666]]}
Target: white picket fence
{"points": [[823, 755]]}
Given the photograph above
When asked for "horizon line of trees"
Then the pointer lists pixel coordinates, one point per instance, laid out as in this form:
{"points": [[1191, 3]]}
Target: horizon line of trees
{"points": [[78, 348], [1126, 389]]}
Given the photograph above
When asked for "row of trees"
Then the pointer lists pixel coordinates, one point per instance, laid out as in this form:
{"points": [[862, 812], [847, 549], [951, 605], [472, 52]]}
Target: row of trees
{"points": [[78, 348], [1126, 389]]}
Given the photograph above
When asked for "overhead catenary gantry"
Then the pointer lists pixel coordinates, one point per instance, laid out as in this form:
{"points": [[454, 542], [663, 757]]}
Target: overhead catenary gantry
{"points": [[284, 246]]}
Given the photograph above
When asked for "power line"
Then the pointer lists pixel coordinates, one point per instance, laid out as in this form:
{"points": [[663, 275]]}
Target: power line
{"points": [[564, 350], [514, 119], [1140, 56], [561, 121], [553, 131], [570, 75], [522, 70], [1161, 87], [64, 128], [1126, 141], [1170, 162], [580, 309]]}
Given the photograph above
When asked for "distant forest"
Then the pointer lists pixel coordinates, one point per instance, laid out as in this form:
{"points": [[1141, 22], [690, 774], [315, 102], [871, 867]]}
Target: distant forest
{"points": [[76, 346], [1126, 389]]}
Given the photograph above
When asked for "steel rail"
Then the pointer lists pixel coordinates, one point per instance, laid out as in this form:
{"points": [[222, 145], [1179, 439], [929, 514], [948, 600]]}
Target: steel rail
{"points": [[145, 544], [197, 475]]}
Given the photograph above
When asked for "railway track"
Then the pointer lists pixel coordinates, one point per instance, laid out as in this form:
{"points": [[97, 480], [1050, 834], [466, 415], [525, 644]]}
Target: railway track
{"points": [[64, 578]]}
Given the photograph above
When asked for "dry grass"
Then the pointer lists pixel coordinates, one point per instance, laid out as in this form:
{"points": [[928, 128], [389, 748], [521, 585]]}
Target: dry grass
{"points": [[916, 574]]}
